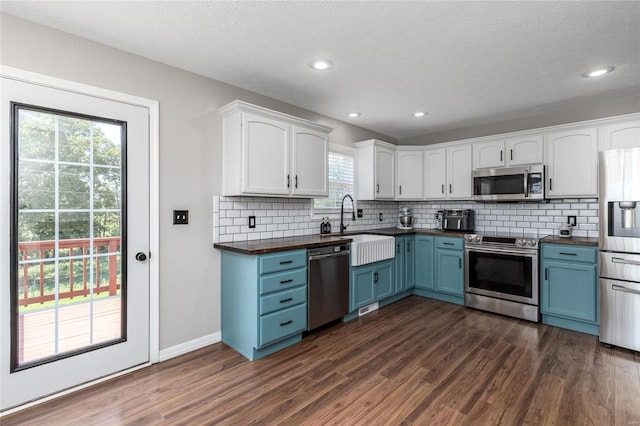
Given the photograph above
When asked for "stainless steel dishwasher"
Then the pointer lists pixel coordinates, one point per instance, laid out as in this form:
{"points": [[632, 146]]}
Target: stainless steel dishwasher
{"points": [[328, 285]]}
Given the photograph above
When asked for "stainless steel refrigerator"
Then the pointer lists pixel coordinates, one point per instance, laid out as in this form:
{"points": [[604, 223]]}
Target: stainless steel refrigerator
{"points": [[620, 248]]}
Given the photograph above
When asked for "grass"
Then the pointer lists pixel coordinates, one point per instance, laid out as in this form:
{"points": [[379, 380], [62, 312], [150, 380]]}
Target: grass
{"points": [[67, 301]]}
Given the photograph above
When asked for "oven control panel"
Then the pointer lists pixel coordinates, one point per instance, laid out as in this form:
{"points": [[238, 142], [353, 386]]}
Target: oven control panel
{"points": [[500, 241]]}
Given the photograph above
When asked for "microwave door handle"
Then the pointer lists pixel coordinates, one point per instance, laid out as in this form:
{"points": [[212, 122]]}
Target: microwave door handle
{"points": [[526, 184]]}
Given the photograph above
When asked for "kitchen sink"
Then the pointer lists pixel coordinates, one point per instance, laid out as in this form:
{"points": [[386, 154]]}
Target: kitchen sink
{"points": [[366, 248]]}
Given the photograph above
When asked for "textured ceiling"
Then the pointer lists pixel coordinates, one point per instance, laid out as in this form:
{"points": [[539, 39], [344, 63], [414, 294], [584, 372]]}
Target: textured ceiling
{"points": [[465, 63]]}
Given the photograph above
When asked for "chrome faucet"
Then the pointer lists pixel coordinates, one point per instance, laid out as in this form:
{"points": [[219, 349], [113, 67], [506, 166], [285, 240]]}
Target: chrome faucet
{"points": [[343, 227]]}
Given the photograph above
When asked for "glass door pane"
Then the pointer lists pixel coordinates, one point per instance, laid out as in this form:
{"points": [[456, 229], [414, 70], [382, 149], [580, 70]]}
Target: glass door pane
{"points": [[68, 228]]}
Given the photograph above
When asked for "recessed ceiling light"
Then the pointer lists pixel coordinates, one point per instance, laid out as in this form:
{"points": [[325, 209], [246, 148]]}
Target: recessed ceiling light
{"points": [[419, 114], [321, 65], [354, 114], [598, 72]]}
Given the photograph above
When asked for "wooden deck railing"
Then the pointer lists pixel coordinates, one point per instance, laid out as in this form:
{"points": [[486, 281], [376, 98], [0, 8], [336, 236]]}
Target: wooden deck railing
{"points": [[36, 250]]}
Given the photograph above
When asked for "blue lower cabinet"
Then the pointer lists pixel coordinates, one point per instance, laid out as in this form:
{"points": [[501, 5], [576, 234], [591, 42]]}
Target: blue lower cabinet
{"points": [[449, 272], [405, 263], [370, 283], [424, 271], [264, 301], [569, 292], [439, 268]]}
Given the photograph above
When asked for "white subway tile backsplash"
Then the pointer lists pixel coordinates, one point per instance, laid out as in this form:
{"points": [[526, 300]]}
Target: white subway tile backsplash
{"points": [[277, 218]]}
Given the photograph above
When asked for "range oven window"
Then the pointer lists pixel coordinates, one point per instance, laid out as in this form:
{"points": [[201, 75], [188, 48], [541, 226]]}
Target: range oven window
{"points": [[501, 273]]}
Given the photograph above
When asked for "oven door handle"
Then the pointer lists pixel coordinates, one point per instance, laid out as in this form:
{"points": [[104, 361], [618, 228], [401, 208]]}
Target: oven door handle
{"points": [[624, 261], [508, 251]]}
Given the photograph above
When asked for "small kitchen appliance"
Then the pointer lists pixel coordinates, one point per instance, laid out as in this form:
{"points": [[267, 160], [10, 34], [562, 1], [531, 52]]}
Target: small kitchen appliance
{"points": [[458, 220], [405, 218]]}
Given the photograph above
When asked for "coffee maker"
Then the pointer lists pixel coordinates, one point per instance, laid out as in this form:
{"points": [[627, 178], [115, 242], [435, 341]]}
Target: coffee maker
{"points": [[405, 218]]}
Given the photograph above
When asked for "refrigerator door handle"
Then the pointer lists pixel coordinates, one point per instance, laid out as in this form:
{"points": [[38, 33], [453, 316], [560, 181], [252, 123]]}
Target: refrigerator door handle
{"points": [[625, 289], [624, 261]]}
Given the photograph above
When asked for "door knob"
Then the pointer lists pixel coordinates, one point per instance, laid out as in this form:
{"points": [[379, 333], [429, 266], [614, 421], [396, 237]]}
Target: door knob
{"points": [[141, 257]]}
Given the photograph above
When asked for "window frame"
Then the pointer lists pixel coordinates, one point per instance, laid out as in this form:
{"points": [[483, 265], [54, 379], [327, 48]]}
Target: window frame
{"points": [[334, 212]]}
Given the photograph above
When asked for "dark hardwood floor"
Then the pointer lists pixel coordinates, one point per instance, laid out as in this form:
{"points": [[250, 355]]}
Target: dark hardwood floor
{"points": [[419, 361]]}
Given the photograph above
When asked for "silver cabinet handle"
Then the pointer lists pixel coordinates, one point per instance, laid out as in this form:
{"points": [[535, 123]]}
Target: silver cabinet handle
{"points": [[624, 261], [624, 289]]}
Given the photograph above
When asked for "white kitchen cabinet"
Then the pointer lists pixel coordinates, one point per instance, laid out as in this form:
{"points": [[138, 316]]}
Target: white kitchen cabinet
{"points": [[309, 173], [509, 152], [621, 134], [269, 153], [375, 170], [409, 174], [459, 182], [435, 173], [488, 154], [572, 163]]}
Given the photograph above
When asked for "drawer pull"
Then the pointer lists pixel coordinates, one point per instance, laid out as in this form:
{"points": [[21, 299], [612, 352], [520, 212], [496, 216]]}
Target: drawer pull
{"points": [[282, 324], [546, 274], [284, 262], [624, 261], [286, 281], [624, 289], [447, 244], [288, 299], [568, 254]]}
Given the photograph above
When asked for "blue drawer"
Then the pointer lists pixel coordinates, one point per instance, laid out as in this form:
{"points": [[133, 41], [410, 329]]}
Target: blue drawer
{"points": [[570, 253], [450, 243], [282, 299], [282, 261], [283, 323], [283, 280]]}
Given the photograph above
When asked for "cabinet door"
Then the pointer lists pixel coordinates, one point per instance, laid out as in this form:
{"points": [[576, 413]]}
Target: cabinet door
{"points": [[569, 289], [572, 163], [459, 172], [410, 272], [435, 174], [488, 154], [524, 150], [385, 171], [362, 287], [265, 163], [400, 278], [449, 272], [621, 135], [309, 167], [409, 175], [383, 280], [424, 262]]}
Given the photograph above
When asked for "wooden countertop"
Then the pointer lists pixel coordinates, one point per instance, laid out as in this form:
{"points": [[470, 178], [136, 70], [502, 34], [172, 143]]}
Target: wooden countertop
{"points": [[579, 241], [273, 245]]}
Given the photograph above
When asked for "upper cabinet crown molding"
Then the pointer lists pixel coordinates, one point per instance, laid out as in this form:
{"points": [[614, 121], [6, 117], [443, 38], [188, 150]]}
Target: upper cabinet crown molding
{"points": [[272, 154]]}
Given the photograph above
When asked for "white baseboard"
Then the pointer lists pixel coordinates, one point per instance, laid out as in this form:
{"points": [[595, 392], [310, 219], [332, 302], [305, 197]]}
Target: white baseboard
{"points": [[189, 346]]}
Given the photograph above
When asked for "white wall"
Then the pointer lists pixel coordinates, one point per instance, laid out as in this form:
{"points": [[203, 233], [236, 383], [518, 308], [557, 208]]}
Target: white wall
{"points": [[190, 152]]}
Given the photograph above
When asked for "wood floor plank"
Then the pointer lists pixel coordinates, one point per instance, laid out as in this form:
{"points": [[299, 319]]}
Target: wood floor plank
{"points": [[417, 362]]}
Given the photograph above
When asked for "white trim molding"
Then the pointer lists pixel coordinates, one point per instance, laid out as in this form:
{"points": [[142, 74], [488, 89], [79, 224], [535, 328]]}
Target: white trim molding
{"points": [[190, 346]]}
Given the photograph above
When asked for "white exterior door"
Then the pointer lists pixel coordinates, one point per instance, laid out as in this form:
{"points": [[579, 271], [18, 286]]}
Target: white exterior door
{"points": [[74, 241], [310, 149]]}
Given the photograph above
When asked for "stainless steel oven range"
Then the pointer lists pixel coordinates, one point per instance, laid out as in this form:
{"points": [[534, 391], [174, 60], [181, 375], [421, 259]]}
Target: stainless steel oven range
{"points": [[501, 275]]}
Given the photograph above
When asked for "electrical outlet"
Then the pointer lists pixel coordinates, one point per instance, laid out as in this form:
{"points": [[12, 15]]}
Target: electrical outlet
{"points": [[571, 220], [181, 217], [360, 213], [380, 217], [252, 221]]}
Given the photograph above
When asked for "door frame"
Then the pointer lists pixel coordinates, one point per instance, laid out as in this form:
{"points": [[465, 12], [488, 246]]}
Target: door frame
{"points": [[153, 107]]}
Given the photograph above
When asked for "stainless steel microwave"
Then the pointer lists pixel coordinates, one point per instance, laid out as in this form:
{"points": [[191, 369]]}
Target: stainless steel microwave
{"points": [[509, 184]]}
